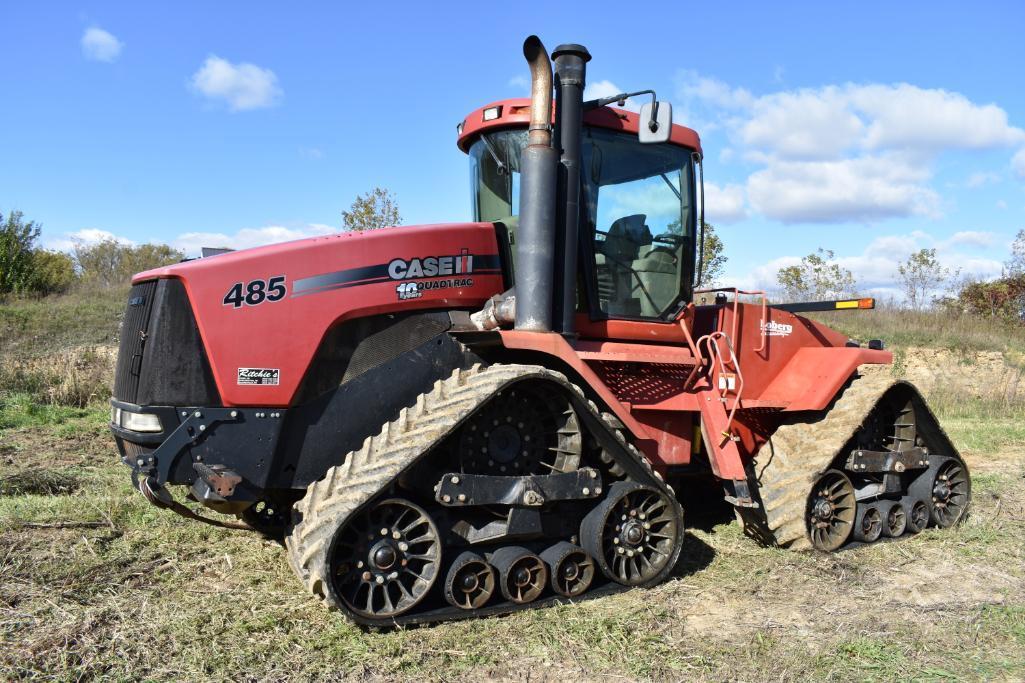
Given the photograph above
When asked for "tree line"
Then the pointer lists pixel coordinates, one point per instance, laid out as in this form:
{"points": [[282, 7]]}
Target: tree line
{"points": [[27, 268], [923, 280]]}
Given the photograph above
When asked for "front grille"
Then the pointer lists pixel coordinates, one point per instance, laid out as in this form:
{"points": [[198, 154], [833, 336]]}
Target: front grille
{"points": [[133, 340]]}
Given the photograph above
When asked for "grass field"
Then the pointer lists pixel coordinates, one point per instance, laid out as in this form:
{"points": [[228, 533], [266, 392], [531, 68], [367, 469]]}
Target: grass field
{"points": [[94, 582]]}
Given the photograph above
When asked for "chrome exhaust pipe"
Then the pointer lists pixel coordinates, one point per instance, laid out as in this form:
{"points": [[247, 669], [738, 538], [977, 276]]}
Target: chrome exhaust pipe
{"points": [[535, 240]]}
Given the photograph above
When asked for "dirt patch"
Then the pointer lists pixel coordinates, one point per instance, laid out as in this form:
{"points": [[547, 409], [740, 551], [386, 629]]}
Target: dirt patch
{"points": [[979, 375]]}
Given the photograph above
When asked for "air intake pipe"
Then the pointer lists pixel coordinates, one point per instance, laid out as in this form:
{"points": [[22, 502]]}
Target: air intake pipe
{"points": [[570, 68], [535, 239]]}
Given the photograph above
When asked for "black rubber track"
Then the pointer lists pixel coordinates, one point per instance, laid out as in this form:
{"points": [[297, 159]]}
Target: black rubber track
{"points": [[364, 474]]}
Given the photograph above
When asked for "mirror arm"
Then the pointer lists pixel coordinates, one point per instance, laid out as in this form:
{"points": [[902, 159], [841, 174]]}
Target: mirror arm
{"points": [[620, 99]]}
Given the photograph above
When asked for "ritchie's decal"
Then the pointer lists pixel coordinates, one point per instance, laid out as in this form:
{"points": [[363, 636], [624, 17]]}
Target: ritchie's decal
{"points": [[775, 329], [431, 266]]}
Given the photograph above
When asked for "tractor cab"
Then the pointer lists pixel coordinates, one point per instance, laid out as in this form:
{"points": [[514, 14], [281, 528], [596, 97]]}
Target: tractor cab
{"points": [[638, 205]]}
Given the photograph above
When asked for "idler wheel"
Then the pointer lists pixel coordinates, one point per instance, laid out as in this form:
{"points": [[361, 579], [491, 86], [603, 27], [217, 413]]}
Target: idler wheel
{"points": [[470, 582], [895, 519], [522, 575], [918, 514], [831, 511], [385, 561], [868, 526], [634, 534], [570, 568], [951, 491]]}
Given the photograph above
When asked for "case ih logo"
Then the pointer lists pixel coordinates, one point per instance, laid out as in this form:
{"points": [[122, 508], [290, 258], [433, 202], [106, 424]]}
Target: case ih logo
{"points": [[259, 376], [431, 266], [774, 329]]}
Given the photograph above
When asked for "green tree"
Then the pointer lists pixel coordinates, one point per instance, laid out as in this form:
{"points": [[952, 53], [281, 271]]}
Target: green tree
{"points": [[818, 276], [714, 259], [53, 272], [111, 263], [922, 277], [373, 210], [17, 243]]}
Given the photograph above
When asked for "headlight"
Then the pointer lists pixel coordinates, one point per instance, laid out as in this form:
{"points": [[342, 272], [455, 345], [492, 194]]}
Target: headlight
{"points": [[139, 422]]}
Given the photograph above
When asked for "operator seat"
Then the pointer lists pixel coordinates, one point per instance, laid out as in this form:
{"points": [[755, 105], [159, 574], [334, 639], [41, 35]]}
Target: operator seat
{"points": [[655, 278], [620, 249]]}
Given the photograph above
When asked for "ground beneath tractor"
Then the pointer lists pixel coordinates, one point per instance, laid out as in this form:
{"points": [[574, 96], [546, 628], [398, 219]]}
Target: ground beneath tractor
{"points": [[95, 582]]}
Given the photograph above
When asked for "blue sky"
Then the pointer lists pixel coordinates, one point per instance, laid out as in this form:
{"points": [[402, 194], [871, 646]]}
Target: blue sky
{"points": [[858, 127]]}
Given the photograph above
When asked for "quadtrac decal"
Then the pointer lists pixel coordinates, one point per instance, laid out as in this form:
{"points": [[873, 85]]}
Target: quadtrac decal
{"points": [[423, 273], [261, 376], [775, 329]]}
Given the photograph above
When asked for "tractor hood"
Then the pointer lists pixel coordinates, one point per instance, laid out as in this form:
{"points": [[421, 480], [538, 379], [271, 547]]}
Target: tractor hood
{"points": [[291, 293]]}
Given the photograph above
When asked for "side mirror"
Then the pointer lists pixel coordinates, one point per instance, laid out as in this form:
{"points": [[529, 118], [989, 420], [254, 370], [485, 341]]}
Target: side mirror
{"points": [[656, 122]]}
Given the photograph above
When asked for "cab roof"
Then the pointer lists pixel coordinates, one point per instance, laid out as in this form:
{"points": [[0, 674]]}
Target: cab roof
{"points": [[515, 113]]}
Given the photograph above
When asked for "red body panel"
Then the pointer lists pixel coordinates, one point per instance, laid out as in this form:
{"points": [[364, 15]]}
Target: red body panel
{"points": [[516, 113], [784, 363], [328, 280]]}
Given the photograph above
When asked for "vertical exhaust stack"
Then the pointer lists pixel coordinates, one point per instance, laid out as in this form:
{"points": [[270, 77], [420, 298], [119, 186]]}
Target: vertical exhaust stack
{"points": [[535, 239], [570, 68]]}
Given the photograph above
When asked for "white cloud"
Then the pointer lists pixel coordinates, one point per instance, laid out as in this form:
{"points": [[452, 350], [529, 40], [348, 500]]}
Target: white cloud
{"points": [[243, 86], [981, 178], [1018, 163], [86, 236], [904, 115], [860, 189], [193, 242], [711, 90], [99, 45], [970, 238], [724, 204], [519, 82], [1001, 204], [850, 152], [599, 89], [803, 125], [311, 153]]}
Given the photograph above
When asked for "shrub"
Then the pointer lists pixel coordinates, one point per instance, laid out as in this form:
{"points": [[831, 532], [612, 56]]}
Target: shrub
{"points": [[111, 263], [52, 272]]}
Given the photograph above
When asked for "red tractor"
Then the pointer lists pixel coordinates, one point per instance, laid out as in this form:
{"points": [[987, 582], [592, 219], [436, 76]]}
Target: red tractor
{"points": [[470, 418]]}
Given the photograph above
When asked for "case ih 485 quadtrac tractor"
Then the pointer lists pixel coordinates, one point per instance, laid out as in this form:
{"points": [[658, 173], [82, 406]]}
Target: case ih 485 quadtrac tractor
{"points": [[466, 419]]}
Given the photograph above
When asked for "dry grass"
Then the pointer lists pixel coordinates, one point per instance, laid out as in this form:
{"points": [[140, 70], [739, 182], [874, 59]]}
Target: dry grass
{"points": [[96, 583], [76, 377], [961, 334]]}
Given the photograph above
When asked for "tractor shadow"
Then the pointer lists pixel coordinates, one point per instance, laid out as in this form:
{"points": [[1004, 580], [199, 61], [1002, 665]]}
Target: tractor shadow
{"points": [[704, 509]]}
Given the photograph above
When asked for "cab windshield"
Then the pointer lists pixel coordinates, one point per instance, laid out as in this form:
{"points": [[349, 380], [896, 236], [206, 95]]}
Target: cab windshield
{"points": [[639, 208]]}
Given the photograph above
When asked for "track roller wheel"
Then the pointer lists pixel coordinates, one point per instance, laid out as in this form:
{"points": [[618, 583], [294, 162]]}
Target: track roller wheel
{"points": [[868, 526], [470, 582], [570, 568], [831, 511], [918, 514], [385, 561], [951, 492], [633, 534], [522, 575], [895, 519]]}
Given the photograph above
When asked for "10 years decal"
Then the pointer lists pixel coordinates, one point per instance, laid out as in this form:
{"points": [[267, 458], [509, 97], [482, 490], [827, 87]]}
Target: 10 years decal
{"points": [[255, 292]]}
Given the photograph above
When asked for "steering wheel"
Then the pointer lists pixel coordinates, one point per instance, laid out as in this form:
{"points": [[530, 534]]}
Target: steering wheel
{"points": [[669, 238]]}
